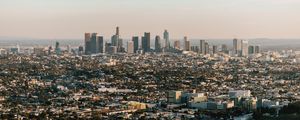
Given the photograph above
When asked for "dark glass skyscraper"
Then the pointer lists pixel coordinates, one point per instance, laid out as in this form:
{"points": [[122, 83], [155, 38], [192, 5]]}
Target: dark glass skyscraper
{"points": [[57, 48], [146, 42], [135, 41], [93, 43], [87, 41], [100, 47], [157, 44]]}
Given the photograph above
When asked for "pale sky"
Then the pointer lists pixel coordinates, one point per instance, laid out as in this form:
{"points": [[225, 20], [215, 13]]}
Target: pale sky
{"points": [[60, 19]]}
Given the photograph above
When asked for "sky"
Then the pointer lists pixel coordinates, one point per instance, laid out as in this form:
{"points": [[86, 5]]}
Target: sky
{"points": [[70, 19]]}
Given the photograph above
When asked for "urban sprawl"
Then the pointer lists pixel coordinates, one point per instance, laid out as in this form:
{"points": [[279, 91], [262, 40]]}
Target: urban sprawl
{"points": [[109, 80]]}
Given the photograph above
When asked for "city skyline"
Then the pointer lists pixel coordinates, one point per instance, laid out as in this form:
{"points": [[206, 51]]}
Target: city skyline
{"points": [[66, 19]]}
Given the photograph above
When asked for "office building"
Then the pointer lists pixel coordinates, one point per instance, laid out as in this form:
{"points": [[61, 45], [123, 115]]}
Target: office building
{"points": [[187, 46], [251, 49], [94, 43], [130, 47], [112, 50], [157, 44], [245, 48], [146, 42], [87, 40], [174, 96], [167, 39], [202, 46], [215, 49], [177, 44], [225, 49], [206, 48], [257, 49], [120, 47], [135, 40], [237, 47], [80, 50], [57, 48], [114, 40], [195, 48], [100, 47], [117, 31]]}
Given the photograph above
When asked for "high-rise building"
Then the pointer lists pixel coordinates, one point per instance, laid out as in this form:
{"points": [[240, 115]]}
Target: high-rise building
{"points": [[94, 43], [107, 47], [202, 46], [225, 48], [117, 31], [80, 50], [57, 48], [112, 50], [167, 39], [215, 49], [206, 48], [100, 46], [187, 45], [146, 42], [135, 40], [257, 49], [251, 49], [237, 46], [157, 44], [114, 40], [117, 41], [195, 48], [177, 44], [245, 48], [87, 41], [120, 45], [130, 47]]}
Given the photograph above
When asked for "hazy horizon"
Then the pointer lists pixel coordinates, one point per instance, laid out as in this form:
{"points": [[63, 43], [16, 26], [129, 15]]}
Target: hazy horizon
{"points": [[205, 19]]}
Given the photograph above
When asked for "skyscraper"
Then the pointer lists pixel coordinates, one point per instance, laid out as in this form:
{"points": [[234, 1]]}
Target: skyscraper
{"points": [[80, 50], [107, 47], [117, 31], [237, 46], [167, 39], [120, 45], [202, 47], [251, 49], [146, 42], [187, 46], [225, 48], [117, 41], [100, 44], [245, 48], [114, 40], [215, 49], [257, 49], [195, 48], [130, 49], [94, 43], [57, 48], [177, 44], [157, 44], [135, 40], [206, 51], [87, 40]]}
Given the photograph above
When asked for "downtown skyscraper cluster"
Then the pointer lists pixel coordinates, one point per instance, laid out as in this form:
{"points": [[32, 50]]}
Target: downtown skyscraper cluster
{"points": [[95, 44]]}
